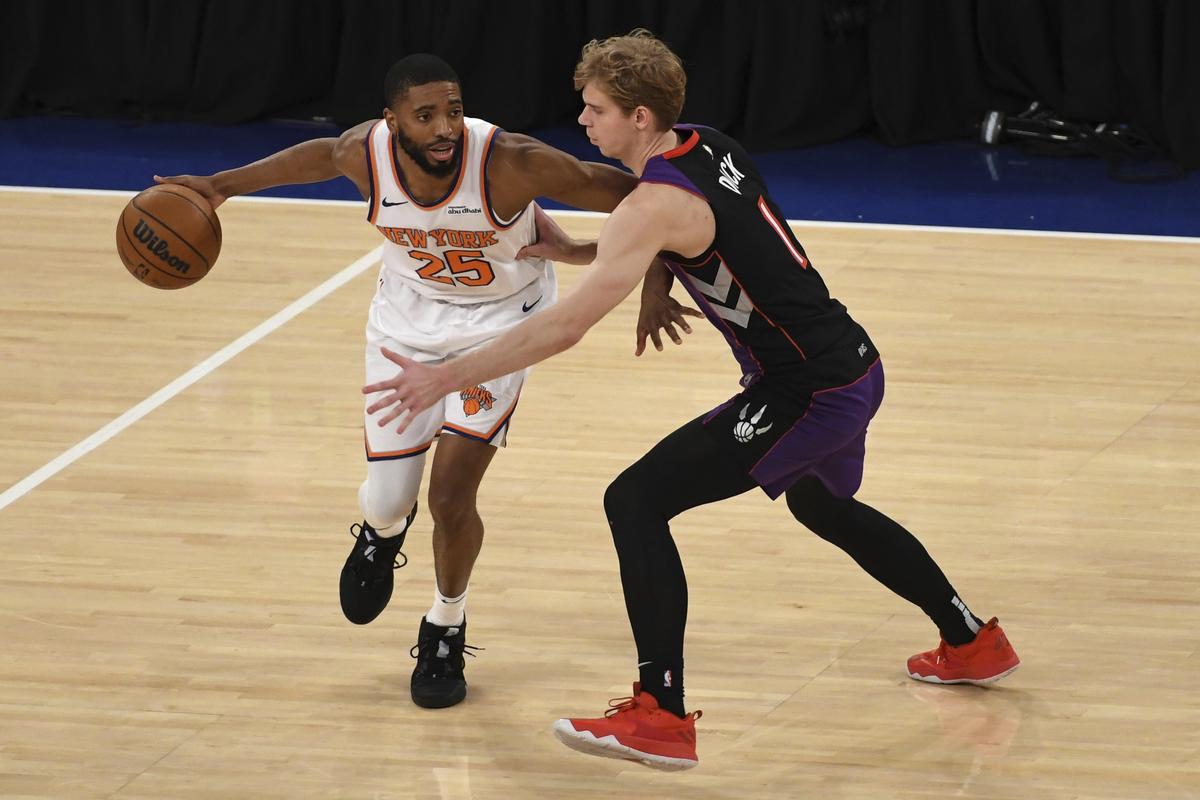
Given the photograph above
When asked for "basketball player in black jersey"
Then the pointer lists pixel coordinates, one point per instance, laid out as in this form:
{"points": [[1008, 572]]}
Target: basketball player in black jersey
{"points": [[812, 380]]}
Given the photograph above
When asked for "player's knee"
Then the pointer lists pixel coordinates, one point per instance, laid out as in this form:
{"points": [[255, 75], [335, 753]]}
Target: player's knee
{"points": [[625, 497], [816, 508], [618, 495], [387, 495], [452, 507]]}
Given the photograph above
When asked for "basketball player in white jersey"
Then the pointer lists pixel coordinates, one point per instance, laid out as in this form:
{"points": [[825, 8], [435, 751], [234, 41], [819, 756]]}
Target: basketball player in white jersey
{"points": [[453, 197]]}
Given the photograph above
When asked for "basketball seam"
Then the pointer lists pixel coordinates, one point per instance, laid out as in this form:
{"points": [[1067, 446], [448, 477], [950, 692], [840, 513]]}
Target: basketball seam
{"points": [[134, 245], [178, 235], [120, 252], [216, 231]]}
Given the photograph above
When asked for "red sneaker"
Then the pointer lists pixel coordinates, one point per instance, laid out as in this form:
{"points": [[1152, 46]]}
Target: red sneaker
{"points": [[986, 660], [636, 729]]}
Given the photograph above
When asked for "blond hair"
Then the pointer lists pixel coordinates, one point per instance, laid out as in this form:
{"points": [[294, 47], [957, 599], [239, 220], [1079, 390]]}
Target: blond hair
{"points": [[635, 70]]}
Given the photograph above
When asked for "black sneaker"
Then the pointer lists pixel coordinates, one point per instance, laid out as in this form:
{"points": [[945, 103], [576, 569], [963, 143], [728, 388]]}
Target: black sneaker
{"points": [[437, 681], [366, 582]]}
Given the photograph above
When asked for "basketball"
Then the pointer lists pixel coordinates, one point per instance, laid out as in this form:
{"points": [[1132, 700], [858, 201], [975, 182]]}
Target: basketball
{"points": [[168, 236]]}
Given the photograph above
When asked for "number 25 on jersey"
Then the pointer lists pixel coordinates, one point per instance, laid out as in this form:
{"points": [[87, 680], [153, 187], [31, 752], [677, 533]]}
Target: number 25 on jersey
{"points": [[459, 267]]}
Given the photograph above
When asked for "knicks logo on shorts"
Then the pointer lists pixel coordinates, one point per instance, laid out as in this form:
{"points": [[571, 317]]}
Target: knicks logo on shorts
{"points": [[476, 398]]}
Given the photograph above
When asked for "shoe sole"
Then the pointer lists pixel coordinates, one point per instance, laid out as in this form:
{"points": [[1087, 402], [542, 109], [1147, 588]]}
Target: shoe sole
{"points": [[609, 747], [973, 681], [440, 702]]}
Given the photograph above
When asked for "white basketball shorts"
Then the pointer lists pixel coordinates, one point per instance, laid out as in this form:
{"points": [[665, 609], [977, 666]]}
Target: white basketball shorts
{"points": [[432, 331]]}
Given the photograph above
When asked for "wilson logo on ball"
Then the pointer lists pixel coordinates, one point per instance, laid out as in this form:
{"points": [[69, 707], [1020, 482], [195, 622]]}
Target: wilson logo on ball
{"points": [[157, 247]]}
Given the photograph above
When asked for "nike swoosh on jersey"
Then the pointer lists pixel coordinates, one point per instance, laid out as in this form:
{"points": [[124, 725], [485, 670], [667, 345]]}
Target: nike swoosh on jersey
{"points": [[387, 204], [527, 307]]}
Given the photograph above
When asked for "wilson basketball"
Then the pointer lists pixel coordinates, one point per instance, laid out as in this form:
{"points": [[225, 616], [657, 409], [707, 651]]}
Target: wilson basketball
{"points": [[168, 236]]}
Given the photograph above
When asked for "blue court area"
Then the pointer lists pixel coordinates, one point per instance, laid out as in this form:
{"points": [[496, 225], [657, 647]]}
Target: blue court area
{"points": [[960, 183]]}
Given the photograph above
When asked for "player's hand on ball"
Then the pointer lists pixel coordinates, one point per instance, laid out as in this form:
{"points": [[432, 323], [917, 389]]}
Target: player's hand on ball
{"points": [[661, 312], [203, 184], [415, 388]]}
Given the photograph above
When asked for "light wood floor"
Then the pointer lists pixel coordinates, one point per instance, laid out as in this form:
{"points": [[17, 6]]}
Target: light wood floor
{"points": [[169, 623]]}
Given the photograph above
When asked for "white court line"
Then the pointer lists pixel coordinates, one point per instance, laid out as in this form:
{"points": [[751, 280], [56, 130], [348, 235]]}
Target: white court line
{"points": [[886, 226], [123, 193], [806, 223], [24, 486]]}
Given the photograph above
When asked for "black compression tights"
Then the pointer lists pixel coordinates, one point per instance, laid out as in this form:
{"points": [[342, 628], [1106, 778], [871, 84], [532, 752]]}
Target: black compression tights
{"points": [[687, 469], [682, 471], [886, 550]]}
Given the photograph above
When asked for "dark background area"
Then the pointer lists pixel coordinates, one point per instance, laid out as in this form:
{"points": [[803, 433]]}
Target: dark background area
{"points": [[775, 74]]}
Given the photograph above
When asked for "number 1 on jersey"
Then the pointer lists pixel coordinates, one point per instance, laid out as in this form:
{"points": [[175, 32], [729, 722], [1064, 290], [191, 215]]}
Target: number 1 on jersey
{"points": [[466, 267]]}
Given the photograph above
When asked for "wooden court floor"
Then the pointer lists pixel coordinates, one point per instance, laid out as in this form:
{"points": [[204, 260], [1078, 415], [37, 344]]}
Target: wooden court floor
{"points": [[169, 623]]}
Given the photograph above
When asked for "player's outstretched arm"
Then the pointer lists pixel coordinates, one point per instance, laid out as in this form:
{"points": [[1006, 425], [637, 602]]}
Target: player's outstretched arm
{"points": [[308, 162], [628, 242]]}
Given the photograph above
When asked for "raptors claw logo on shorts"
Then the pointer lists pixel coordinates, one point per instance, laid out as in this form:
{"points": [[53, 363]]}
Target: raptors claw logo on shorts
{"points": [[745, 431], [476, 398]]}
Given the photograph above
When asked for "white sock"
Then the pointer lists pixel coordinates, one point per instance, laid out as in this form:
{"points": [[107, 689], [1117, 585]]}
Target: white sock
{"points": [[395, 529], [447, 611]]}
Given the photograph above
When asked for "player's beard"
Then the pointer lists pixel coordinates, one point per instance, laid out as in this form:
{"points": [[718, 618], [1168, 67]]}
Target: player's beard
{"points": [[420, 155]]}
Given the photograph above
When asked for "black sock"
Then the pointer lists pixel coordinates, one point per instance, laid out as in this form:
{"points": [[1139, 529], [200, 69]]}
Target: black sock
{"points": [[665, 682]]}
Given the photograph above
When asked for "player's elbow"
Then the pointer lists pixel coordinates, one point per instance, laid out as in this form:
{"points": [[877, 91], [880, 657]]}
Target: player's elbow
{"points": [[570, 335], [574, 318], [570, 328]]}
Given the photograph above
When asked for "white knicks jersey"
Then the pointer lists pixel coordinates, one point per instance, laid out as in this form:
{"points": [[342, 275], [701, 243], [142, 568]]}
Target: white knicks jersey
{"points": [[454, 250]]}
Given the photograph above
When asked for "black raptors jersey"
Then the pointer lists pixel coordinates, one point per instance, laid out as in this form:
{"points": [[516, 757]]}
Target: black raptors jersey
{"points": [[755, 283]]}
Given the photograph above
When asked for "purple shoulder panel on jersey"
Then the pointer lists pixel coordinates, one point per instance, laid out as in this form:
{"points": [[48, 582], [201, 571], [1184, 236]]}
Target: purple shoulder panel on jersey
{"points": [[659, 169]]}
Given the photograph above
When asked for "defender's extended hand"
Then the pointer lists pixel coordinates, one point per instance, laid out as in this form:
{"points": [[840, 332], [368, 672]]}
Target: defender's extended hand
{"points": [[665, 312], [552, 242], [415, 388]]}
